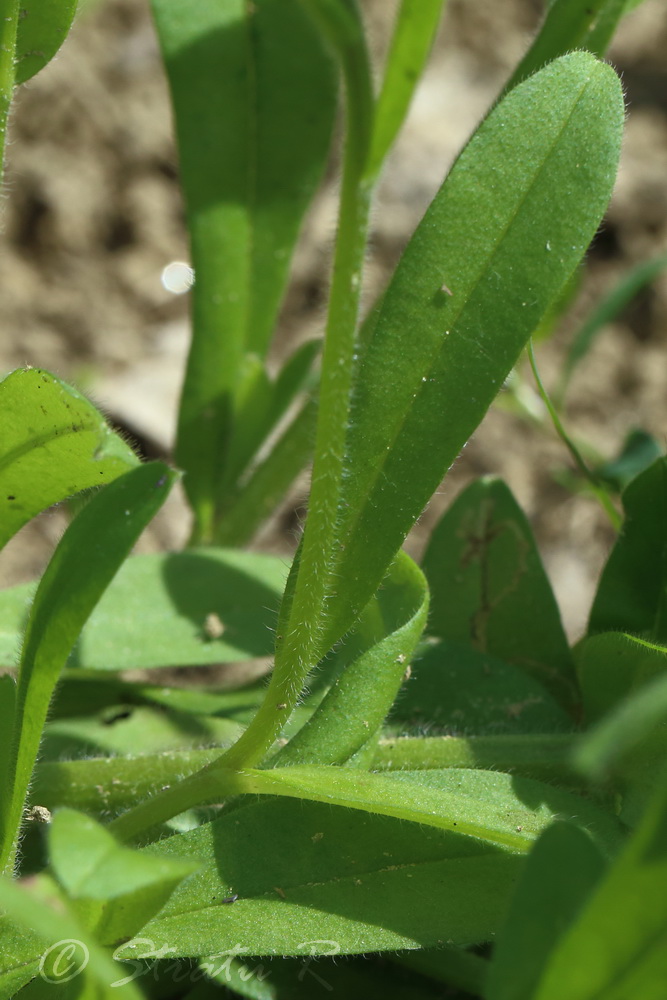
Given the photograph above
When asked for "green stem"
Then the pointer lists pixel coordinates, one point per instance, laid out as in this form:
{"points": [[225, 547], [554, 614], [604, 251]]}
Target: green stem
{"points": [[600, 493], [298, 649], [9, 19]]}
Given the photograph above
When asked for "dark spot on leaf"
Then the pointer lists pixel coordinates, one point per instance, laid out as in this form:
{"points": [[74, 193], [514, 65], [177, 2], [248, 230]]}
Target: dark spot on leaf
{"points": [[11, 498]]}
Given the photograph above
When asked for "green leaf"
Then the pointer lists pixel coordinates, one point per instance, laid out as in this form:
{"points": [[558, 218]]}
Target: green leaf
{"points": [[87, 558], [618, 946], [377, 656], [254, 98], [307, 875], [57, 946], [484, 805], [503, 235], [613, 665], [489, 588], [562, 870], [416, 25], [55, 444], [187, 598], [43, 27], [120, 889], [457, 689], [630, 593]]}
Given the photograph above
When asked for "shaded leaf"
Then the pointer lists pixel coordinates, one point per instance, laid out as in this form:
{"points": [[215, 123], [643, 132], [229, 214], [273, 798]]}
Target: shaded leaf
{"points": [[489, 588], [186, 599], [456, 689]]}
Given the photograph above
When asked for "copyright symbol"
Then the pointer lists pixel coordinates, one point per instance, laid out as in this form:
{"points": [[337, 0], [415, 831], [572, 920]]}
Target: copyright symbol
{"points": [[63, 961]]}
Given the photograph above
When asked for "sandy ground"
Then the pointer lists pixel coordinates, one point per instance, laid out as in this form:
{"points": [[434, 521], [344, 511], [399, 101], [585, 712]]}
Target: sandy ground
{"points": [[92, 214]]}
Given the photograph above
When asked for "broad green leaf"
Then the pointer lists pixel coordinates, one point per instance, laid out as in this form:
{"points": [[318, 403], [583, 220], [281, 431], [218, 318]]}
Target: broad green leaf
{"points": [[58, 947], [611, 666], [378, 654], [464, 970], [416, 25], [254, 93], [489, 588], [54, 444], [118, 889], [43, 27], [503, 237], [561, 872], [456, 689], [186, 598], [88, 556], [307, 874], [630, 597], [617, 948]]}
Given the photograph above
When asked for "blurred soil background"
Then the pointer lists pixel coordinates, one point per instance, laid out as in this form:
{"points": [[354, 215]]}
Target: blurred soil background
{"points": [[92, 214]]}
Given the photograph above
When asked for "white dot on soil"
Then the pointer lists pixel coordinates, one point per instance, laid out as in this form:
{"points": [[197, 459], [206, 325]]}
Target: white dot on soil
{"points": [[178, 277]]}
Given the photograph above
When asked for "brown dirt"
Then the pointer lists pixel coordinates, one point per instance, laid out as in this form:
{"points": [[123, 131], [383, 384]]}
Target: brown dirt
{"points": [[92, 214]]}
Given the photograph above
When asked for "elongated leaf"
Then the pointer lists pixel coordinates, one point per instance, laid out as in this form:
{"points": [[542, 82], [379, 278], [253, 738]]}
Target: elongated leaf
{"points": [[617, 947], [455, 689], [254, 97], [560, 874], [121, 889], [86, 559], [489, 587], [307, 874], [54, 444], [43, 27], [361, 696], [201, 606], [416, 24], [629, 597], [487, 806], [503, 236]]}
